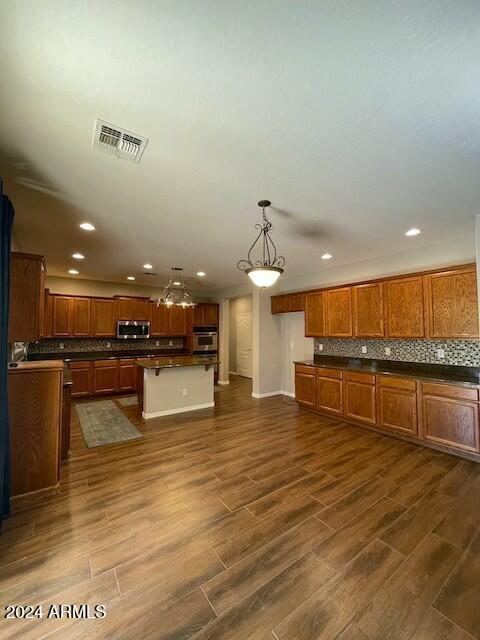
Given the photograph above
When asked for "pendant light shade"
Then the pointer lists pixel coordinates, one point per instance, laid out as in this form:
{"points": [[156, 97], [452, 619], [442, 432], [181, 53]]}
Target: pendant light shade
{"points": [[265, 270]]}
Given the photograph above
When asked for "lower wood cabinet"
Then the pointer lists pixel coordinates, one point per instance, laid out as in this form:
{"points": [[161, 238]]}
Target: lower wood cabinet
{"points": [[81, 373], [397, 404], [329, 391], [127, 375], [305, 385], [359, 392], [105, 376]]}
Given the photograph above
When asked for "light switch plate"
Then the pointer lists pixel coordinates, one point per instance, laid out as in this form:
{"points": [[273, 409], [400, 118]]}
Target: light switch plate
{"points": [[388, 351], [61, 346], [440, 353], [320, 347], [364, 349], [157, 343]]}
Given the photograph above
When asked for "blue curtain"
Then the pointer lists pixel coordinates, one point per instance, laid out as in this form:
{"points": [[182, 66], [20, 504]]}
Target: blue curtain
{"points": [[6, 223]]}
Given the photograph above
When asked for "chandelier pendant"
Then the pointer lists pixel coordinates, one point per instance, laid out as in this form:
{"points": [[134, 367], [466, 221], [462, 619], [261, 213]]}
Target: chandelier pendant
{"points": [[265, 270], [176, 292]]}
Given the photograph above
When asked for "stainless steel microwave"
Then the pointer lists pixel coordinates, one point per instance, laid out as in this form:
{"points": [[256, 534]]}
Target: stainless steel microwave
{"points": [[133, 329], [205, 341]]}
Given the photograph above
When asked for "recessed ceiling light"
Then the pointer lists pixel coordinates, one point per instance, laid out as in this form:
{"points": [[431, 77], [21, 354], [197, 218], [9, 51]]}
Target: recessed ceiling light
{"points": [[78, 256], [201, 273], [412, 232], [74, 272], [148, 266], [130, 277], [86, 226], [326, 256]]}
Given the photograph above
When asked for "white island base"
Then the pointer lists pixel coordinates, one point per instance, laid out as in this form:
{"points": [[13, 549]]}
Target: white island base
{"points": [[169, 390]]}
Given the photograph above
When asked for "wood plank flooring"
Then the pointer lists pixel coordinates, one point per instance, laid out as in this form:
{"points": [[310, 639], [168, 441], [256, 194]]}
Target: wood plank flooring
{"points": [[253, 520]]}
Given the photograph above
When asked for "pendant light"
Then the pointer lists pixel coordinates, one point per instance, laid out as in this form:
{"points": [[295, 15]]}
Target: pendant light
{"points": [[176, 292], [265, 270]]}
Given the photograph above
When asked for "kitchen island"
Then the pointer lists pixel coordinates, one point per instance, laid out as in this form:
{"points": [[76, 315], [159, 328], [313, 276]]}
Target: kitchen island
{"points": [[174, 385]]}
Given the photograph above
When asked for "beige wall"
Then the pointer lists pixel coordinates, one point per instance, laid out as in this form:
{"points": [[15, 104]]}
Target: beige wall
{"points": [[294, 346], [237, 305]]}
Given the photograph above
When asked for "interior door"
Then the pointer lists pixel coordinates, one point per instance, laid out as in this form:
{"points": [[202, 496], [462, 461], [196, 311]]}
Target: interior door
{"points": [[244, 344]]}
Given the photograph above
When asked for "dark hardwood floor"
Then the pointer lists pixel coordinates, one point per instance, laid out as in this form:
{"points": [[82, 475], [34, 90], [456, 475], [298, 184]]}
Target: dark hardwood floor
{"points": [[253, 520]]}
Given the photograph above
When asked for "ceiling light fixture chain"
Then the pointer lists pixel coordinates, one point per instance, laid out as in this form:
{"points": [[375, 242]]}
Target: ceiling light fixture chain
{"points": [[176, 293], [265, 271]]}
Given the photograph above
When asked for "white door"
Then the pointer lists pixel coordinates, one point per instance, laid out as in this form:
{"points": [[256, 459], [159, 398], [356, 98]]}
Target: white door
{"points": [[244, 344]]}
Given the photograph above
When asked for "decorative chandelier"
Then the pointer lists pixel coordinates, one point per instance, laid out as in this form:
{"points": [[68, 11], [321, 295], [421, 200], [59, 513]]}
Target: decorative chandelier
{"points": [[176, 292], [265, 271]]}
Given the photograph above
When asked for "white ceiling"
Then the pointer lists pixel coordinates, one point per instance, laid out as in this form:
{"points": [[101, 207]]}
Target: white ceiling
{"points": [[358, 119]]}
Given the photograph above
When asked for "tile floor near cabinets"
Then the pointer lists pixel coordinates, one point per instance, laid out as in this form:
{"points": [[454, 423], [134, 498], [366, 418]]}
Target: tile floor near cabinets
{"points": [[253, 520]]}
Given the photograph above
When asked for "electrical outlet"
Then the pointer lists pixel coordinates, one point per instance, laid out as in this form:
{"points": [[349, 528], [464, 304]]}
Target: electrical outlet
{"points": [[388, 351], [364, 349], [184, 392], [61, 346], [440, 353], [320, 347], [170, 343], [108, 345], [157, 343]]}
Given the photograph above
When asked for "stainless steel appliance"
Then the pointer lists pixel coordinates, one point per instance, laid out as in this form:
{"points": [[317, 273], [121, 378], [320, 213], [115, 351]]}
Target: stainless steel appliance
{"points": [[205, 339], [133, 329]]}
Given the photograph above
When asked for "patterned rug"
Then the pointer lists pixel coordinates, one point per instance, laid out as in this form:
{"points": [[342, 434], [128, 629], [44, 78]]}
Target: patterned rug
{"points": [[129, 401], [104, 423]]}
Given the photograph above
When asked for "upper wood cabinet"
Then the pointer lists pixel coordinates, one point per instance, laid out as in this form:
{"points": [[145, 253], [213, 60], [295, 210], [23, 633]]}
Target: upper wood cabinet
{"points": [[159, 320], [48, 315], [62, 316], [368, 310], [133, 308], [81, 311], [288, 303], [205, 313], [104, 317], [177, 321], [315, 314], [338, 312], [27, 298], [452, 303], [405, 309]]}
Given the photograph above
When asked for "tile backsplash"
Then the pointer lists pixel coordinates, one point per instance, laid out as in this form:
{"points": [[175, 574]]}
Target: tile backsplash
{"points": [[73, 345], [456, 352]]}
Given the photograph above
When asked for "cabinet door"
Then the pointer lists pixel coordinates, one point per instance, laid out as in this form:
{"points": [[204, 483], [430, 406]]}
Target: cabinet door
{"points": [[314, 314], [125, 309], [295, 302], [81, 316], [368, 310], [329, 395], [199, 314], [339, 312], [27, 285], [405, 317], [81, 373], [62, 316], [127, 377], [452, 304], [140, 310], [48, 315], [104, 317], [105, 376], [360, 401], [397, 405], [451, 422], [278, 304], [177, 321], [159, 321], [305, 388], [211, 313]]}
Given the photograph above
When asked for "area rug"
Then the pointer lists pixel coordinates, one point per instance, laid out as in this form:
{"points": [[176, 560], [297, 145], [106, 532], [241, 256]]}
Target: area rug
{"points": [[129, 401], [104, 423]]}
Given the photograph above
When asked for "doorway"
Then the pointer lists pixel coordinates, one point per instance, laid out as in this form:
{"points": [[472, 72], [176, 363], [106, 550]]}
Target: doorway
{"points": [[244, 345]]}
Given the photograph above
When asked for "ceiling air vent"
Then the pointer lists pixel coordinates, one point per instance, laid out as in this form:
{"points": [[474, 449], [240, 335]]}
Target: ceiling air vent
{"points": [[118, 142]]}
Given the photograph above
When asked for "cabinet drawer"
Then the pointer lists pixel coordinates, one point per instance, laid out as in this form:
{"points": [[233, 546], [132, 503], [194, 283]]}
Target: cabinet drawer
{"points": [[125, 361], [397, 383], [329, 373], [83, 364], [364, 378], [449, 391], [303, 368], [104, 363]]}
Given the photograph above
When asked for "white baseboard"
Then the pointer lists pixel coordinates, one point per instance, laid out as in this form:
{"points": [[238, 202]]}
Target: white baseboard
{"points": [[287, 393], [233, 373], [169, 412], [273, 393], [223, 381]]}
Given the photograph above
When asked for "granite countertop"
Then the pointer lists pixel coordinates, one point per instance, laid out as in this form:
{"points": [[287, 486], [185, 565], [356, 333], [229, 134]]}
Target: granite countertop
{"points": [[69, 356], [467, 376], [180, 361]]}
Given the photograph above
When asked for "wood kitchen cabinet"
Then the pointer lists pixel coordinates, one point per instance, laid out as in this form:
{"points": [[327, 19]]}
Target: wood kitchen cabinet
{"points": [[48, 315], [452, 303], [450, 415], [133, 308], [177, 321], [359, 396], [81, 374], [287, 303], [405, 309], [329, 391], [338, 312], [27, 298], [105, 376], [104, 317], [81, 311], [127, 374], [368, 310], [305, 385], [315, 314], [397, 404], [159, 322], [206, 313], [61, 316]]}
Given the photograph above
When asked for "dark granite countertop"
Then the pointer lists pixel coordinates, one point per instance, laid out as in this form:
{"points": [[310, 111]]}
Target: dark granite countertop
{"points": [[178, 361], [69, 356], [467, 376]]}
